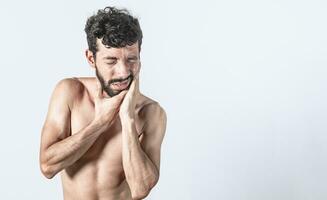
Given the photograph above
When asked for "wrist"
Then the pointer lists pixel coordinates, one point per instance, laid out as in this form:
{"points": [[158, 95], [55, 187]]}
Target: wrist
{"points": [[101, 123], [127, 122], [127, 119]]}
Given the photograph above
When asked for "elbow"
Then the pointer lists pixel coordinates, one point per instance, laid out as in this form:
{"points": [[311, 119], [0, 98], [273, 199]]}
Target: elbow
{"points": [[139, 195], [139, 192], [142, 192], [47, 171]]}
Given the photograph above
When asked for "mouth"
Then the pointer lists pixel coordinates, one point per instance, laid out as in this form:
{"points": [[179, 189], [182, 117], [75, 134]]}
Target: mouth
{"points": [[121, 85]]}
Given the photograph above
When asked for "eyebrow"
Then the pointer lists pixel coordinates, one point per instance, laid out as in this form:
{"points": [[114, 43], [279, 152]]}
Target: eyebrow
{"points": [[114, 58], [132, 57]]}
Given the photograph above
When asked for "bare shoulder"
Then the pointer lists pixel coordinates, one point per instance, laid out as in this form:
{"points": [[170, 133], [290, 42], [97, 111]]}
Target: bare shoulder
{"points": [[68, 89], [151, 110], [154, 128], [70, 84]]}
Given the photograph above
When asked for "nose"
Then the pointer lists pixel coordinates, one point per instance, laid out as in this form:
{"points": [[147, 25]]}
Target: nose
{"points": [[122, 70]]}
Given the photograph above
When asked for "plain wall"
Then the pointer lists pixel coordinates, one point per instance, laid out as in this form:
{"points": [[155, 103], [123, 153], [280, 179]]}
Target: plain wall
{"points": [[243, 84]]}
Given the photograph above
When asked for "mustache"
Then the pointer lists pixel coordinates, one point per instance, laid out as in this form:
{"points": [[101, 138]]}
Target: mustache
{"points": [[120, 79]]}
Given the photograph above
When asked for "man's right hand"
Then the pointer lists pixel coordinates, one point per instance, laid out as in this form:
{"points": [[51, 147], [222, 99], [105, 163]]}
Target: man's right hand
{"points": [[106, 109]]}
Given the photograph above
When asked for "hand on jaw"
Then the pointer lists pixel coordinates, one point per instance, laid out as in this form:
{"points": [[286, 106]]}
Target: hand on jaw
{"points": [[123, 104], [127, 108], [106, 109]]}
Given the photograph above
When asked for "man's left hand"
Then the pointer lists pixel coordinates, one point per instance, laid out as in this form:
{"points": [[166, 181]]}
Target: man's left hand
{"points": [[127, 108]]}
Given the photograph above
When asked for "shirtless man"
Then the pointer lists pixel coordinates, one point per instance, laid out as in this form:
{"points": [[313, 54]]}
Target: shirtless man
{"points": [[101, 133]]}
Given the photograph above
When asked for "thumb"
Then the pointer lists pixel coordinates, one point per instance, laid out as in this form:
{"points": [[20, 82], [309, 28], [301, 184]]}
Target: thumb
{"points": [[119, 97], [122, 94]]}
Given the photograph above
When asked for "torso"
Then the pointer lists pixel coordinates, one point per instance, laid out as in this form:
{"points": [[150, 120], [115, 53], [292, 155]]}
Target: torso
{"points": [[98, 174]]}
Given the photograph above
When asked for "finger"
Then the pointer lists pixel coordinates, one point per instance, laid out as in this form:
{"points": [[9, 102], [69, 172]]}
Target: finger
{"points": [[121, 94], [136, 76], [132, 86], [99, 89], [131, 90], [135, 84]]}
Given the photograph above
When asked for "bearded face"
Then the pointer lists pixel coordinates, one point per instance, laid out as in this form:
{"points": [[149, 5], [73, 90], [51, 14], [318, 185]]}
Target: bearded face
{"points": [[114, 86]]}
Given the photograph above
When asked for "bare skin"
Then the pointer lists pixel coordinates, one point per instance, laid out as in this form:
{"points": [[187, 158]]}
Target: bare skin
{"points": [[103, 147]]}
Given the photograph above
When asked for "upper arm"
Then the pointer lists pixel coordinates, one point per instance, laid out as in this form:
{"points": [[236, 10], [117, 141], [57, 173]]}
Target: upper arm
{"points": [[153, 132], [57, 124]]}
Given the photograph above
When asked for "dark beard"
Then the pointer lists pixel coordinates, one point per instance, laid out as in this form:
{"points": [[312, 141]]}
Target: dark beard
{"points": [[106, 86]]}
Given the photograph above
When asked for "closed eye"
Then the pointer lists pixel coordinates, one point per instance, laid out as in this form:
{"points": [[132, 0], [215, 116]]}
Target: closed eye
{"points": [[110, 60], [111, 63], [132, 60]]}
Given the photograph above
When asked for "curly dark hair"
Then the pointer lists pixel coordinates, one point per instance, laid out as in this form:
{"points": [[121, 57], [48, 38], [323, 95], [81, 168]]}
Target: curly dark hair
{"points": [[116, 27]]}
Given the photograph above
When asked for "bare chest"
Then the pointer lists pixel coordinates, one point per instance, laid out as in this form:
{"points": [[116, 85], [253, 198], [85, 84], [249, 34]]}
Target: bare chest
{"points": [[102, 162], [108, 146]]}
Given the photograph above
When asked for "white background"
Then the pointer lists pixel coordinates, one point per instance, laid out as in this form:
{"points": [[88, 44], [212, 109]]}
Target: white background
{"points": [[243, 84]]}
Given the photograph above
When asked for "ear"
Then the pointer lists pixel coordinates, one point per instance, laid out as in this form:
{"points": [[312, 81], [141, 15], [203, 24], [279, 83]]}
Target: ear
{"points": [[90, 58]]}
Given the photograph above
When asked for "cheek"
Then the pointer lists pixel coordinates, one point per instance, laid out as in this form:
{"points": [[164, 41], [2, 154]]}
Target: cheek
{"points": [[136, 69], [105, 69], [106, 74]]}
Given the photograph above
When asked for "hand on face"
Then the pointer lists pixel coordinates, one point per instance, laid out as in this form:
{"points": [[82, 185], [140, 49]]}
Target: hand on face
{"points": [[106, 109], [127, 108]]}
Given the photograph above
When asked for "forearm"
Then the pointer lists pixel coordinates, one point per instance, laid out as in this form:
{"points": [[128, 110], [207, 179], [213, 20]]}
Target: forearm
{"points": [[141, 173], [66, 152]]}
